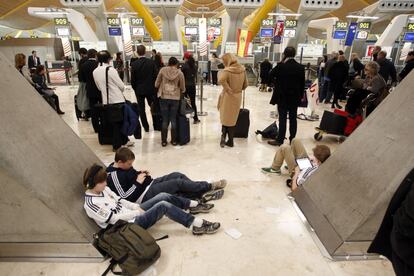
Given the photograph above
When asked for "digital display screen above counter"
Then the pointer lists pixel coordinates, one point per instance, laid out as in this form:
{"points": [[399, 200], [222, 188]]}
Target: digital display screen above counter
{"points": [[339, 34]]}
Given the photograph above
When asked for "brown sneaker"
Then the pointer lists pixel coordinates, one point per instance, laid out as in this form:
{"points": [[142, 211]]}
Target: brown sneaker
{"points": [[206, 228], [221, 184]]}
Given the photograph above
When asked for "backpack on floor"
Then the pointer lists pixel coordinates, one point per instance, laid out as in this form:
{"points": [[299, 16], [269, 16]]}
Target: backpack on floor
{"points": [[269, 132], [129, 245]]}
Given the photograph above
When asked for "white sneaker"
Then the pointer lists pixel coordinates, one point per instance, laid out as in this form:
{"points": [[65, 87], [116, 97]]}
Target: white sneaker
{"points": [[130, 144]]}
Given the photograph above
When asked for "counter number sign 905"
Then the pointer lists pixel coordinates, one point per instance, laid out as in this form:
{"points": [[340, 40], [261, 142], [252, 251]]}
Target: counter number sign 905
{"points": [[364, 25], [113, 21], [61, 21]]}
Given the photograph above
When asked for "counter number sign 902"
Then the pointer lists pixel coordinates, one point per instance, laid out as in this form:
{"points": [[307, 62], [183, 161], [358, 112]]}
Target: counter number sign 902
{"points": [[364, 25], [341, 25], [61, 21], [113, 21]]}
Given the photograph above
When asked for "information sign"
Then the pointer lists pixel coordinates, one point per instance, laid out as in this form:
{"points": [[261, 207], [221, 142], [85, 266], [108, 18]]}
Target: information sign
{"points": [[137, 31], [189, 31], [191, 21], [266, 32], [351, 34], [289, 33], [361, 35], [63, 31], [339, 35], [115, 31], [409, 37]]}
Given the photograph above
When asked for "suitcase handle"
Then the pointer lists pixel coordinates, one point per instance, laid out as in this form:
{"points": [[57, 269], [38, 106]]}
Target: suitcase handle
{"points": [[244, 96]]}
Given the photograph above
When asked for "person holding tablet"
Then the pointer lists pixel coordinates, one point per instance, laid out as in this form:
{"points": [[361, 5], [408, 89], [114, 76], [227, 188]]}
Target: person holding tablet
{"points": [[299, 163]]}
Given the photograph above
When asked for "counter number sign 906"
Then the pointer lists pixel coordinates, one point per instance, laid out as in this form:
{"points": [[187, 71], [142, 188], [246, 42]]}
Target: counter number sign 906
{"points": [[113, 21], [191, 21]]}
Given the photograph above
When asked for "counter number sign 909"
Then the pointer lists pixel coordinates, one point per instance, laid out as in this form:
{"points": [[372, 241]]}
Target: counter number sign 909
{"points": [[61, 21], [113, 21]]}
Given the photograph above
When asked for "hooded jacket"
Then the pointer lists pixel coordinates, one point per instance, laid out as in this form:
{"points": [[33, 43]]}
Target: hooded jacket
{"points": [[170, 83], [234, 81]]}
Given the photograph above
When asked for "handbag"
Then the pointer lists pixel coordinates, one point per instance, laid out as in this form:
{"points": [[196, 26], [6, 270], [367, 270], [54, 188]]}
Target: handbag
{"points": [[185, 106], [113, 112]]}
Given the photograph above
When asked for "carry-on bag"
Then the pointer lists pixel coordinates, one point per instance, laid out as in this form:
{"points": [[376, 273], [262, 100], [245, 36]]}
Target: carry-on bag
{"points": [[183, 129], [333, 123], [270, 132], [243, 122], [78, 113]]}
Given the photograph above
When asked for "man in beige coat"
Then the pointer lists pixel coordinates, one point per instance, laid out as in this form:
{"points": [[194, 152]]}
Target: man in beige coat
{"points": [[234, 81]]}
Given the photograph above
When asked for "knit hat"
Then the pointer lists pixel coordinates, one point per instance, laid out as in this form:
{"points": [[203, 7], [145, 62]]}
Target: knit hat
{"points": [[187, 55]]}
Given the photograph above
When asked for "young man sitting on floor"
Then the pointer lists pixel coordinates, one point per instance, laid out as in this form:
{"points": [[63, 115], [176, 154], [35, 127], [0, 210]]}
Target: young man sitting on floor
{"points": [[105, 207], [139, 186], [290, 153]]}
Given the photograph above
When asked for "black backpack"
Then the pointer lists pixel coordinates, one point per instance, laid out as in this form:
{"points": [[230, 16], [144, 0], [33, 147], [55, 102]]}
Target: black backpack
{"points": [[129, 245]]}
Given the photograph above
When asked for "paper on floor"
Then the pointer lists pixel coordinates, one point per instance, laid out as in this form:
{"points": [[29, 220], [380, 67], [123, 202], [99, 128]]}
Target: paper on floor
{"points": [[234, 233]]}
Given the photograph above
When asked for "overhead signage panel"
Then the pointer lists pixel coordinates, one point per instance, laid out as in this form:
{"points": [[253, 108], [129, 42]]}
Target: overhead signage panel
{"points": [[291, 24], [408, 37], [115, 31], [266, 32], [289, 33], [63, 31], [351, 34], [189, 31], [61, 21], [364, 25], [113, 21], [339, 34], [191, 21], [361, 35], [137, 31], [341, 25]]}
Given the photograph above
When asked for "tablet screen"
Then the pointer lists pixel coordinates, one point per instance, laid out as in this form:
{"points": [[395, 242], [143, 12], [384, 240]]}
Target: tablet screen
{"points": [[304, 163]]}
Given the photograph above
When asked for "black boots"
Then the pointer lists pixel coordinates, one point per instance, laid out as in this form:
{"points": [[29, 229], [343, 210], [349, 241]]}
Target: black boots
{"points": [[223, 136], [173, 137], [230, 132], [164, 133]]}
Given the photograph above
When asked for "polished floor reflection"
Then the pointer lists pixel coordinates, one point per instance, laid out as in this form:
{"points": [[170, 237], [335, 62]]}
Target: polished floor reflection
{"points": [[274, 240]]}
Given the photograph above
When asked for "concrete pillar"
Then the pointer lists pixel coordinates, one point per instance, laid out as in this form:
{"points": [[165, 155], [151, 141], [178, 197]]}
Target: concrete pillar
{"points": [[42, 162], [345, 200]]}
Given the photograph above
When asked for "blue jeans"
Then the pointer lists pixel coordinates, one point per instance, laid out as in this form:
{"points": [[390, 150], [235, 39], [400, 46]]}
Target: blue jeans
{"points": [[169, 110], [177, 184], [164, 204]]}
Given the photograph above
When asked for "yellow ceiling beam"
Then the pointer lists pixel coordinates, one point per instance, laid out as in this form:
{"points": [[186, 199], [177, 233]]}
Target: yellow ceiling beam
{"points": [[261, 14], [18, 7]]}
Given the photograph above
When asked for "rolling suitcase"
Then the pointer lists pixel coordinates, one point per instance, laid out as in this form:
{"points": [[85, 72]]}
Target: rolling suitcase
{"points": [[105, 129], [77, 111], [243, 122], [333, 123], [183, 130]]}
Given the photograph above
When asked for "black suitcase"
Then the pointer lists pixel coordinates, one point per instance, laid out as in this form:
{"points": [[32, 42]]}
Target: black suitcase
{"points": [[333, 123], [77, 111], [105, 129], [183, 130], [243, 122]]}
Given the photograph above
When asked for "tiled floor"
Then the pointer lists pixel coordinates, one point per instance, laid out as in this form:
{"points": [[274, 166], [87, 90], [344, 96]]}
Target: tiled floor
{"points": [[271, 243]]}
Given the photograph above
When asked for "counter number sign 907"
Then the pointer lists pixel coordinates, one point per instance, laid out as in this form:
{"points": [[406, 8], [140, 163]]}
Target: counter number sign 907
{"points": [[364, 25], [113, 21], [137, 22], [61, 21]]}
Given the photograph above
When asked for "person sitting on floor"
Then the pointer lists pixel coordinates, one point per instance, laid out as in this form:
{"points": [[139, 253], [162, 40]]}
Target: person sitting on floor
{"points": [[290, 153], [106, 208], [139, 186]]}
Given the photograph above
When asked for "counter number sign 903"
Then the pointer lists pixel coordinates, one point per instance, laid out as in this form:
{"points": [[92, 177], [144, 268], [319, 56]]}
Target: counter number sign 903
{"points": [[113, 21], [267, 23], [61, 21], [410, 27], [364, 25], [291, 24]]}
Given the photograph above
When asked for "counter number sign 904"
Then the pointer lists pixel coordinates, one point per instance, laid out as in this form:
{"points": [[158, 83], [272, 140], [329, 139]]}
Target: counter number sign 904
{"points": [[267, 22], [214, 22], [113, 21]]}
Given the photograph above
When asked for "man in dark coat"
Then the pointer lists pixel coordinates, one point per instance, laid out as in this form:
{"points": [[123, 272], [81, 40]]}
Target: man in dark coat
{"points": [[265, 68], [289, 82], [395, 238], [93, 93], [143, 76], [387, 68], [33, 61], [409, 65]]}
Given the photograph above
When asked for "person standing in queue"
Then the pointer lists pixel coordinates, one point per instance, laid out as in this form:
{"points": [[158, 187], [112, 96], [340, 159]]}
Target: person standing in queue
{"points": [[289, 82], [190, 74], [119, 65], [265, 68], [92, 92], [215, 61], [338, 76], [233, 80], [143, 75], [112, 87], [409, 65], [171, 84]]}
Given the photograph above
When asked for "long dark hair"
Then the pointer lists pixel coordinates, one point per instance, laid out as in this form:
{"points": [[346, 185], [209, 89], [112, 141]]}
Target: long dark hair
{"points": [[191, 62]]}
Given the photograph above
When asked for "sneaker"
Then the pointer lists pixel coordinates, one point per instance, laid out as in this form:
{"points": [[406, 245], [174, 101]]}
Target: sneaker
{"points": [[129, 144], [216, 185], [212, 195], [271, 170], [206, 228], [201, 208]]}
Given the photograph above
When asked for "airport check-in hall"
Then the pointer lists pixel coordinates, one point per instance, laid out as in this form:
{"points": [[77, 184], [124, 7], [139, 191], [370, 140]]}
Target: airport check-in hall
{"points": [[207, 137]]}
